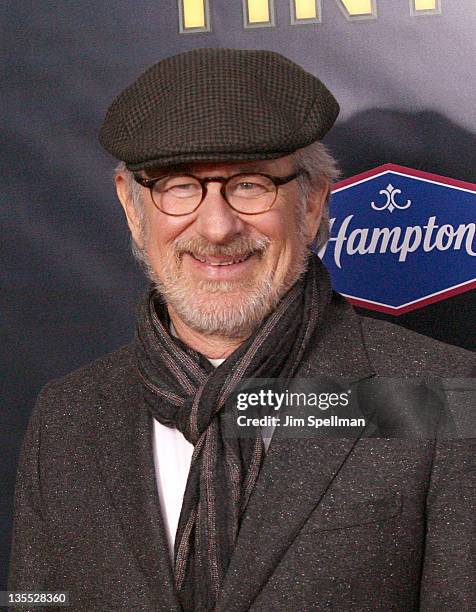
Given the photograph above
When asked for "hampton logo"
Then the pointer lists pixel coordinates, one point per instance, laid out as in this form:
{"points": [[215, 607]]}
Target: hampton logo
{"points": [[401, 238]]}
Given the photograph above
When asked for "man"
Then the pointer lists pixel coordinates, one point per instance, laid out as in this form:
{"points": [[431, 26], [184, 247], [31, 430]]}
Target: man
{"points": [[131, 493]]}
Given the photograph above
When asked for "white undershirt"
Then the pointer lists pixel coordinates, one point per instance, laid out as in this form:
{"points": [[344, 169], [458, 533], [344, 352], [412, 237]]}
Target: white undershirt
{"points": [[172, 458]]}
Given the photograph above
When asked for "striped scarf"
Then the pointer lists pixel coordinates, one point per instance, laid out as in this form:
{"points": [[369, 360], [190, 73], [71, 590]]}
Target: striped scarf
{"points": [[183, 390]]}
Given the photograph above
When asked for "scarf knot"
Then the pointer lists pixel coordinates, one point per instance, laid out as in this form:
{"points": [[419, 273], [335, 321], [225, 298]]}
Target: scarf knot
{"points": [[190, 420]]}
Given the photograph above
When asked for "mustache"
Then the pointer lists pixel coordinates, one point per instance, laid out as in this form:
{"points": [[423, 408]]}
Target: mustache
{"points": [[240, 246]]}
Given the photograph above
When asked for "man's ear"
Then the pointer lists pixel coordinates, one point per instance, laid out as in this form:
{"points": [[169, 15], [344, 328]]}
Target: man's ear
{"points": [[316, 202], [125, 198]]}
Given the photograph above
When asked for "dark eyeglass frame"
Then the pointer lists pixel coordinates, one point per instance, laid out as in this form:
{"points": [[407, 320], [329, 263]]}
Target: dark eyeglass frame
{"points": [[277, 181]]}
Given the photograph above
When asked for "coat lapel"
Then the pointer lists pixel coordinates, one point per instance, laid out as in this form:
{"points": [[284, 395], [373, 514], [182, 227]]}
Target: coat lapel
{"points": [[124, 448], [296, 472]]}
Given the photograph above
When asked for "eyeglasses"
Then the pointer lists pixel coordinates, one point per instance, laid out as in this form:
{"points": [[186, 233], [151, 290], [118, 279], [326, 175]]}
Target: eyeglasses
{"points": [[182, 194]]}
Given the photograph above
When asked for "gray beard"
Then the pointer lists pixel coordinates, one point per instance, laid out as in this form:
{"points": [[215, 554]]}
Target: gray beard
{"points": [[212, 308]]}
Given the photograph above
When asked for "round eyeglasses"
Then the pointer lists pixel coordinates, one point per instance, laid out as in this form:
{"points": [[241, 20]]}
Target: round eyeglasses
{"points": [[182, 194]]}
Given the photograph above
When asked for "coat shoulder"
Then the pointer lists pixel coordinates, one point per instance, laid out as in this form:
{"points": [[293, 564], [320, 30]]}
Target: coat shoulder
{"points": [[402, 351], [107, 379]]}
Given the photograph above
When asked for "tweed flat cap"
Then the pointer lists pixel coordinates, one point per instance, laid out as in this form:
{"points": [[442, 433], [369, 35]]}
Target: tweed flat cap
{"points": [[217, 105]]}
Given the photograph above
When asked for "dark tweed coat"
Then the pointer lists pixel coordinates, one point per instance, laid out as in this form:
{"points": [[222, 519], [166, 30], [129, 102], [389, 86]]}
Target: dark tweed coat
{"points": [[333, 524]]}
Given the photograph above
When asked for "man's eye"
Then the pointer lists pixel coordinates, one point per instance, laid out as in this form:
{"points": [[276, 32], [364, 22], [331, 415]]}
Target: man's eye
{"points": [[250, 187], [183, 186], [179, 188]]}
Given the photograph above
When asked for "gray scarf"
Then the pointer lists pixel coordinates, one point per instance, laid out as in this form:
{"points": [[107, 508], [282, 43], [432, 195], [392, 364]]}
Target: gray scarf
{"points": [[183, 390]]}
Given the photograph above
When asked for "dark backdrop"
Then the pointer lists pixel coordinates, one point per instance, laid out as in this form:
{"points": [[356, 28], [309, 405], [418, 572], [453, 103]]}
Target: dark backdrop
{"points": [[68, 283]]}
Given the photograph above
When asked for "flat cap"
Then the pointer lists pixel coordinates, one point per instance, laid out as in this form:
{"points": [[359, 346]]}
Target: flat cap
{"points": [[217, 105]]}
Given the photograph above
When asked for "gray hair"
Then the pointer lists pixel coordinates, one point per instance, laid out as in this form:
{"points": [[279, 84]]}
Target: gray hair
{"points": [[135, 194], [320, 169]]}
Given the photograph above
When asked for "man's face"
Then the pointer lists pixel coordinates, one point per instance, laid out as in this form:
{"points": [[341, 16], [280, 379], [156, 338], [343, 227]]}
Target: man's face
{"points": [[220, 271]]}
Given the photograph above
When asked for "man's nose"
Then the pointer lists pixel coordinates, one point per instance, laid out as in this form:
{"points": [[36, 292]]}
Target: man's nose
{"points": [[216, 220]]}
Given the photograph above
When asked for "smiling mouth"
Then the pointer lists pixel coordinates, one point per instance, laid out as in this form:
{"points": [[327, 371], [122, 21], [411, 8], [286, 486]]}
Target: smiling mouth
{"points": [[220, 261]]}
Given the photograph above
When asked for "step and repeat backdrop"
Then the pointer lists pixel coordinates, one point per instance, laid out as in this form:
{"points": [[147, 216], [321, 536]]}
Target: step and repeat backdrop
{"points": [[402, 243]]}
